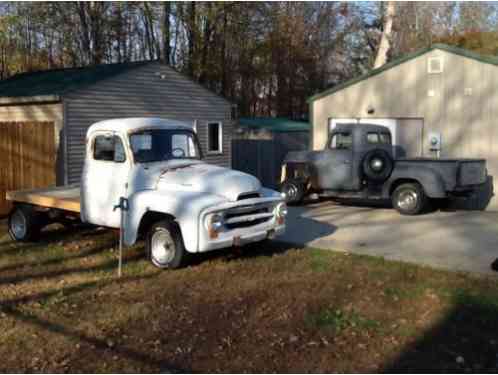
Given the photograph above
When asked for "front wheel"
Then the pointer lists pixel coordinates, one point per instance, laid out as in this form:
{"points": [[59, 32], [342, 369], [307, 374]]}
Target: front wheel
{"points": [[293, 191], [165, 247], [409, 199]]}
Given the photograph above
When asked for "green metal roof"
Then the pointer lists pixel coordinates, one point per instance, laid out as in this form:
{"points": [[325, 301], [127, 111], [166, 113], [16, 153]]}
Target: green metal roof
{"points": [[274, 124], [451, 49], [60, 81]]}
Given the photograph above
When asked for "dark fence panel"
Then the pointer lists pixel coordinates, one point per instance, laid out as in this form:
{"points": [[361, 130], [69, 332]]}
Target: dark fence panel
{"points": [[263, 158]]}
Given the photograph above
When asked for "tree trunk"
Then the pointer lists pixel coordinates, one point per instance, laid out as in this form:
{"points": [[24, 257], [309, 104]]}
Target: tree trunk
{"points": [[166, 34], [85, 33], [223, 55], [97, 11], [191, 39], [206, 44], [385, 41]]}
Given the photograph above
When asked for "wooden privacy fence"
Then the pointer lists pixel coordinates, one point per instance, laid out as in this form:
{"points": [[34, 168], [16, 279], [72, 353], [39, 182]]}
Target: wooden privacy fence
{"points": [[27, 157]]}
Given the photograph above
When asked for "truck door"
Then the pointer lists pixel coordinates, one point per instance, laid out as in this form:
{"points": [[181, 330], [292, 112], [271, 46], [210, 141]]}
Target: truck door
{"points": [[105, 176], [335, 165]]}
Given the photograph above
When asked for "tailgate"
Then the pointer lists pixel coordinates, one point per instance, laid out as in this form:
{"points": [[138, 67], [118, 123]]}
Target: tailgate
{"points": [[471, 172]]}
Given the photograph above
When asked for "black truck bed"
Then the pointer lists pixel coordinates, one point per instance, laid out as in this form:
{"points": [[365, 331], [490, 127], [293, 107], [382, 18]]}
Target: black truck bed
{"points": [[441, 160], [456, 173]]}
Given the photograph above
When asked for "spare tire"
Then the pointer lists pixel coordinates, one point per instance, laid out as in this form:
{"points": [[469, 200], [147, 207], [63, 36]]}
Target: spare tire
{"points": [[377, 165]]}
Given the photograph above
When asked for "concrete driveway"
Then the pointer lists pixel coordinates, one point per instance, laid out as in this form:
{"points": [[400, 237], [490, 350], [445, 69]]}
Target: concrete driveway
{"points": [[461, 240]]}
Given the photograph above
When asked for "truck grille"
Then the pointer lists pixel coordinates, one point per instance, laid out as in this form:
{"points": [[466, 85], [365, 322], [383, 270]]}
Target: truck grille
{"points": [[243, 217]]}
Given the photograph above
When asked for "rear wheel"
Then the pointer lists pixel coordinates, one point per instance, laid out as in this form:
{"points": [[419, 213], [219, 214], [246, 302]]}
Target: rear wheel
{"points": [[24, 224], [165, 245], [293, 191], [410, 199]]}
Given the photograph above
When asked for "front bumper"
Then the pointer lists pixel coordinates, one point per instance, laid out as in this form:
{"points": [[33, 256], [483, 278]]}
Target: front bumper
{"points": [[228, 237], [242, 238]]}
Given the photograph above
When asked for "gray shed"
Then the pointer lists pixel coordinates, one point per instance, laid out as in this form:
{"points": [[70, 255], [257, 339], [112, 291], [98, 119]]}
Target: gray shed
{"points": [[439, 91], [69, 100]]}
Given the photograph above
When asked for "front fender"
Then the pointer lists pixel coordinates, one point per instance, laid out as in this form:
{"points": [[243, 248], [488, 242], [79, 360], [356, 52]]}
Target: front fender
{"points": [[431, 181], [184, 206]]}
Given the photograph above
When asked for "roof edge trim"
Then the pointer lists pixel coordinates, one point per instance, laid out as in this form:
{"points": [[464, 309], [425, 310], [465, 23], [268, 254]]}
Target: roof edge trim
{"points": [[444, 47], [29, 99]]}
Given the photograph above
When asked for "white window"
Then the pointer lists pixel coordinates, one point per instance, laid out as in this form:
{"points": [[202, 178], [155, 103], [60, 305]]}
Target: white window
{"points": [[108, 148], [182, 146], [435, 65], [215, 137]]}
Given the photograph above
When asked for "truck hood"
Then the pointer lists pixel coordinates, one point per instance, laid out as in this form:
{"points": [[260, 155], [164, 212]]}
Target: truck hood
{"points": [[207, 178], [301, 156]]}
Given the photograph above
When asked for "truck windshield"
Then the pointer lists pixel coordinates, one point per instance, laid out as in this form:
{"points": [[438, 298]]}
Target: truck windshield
{"points": [[160, 145]]}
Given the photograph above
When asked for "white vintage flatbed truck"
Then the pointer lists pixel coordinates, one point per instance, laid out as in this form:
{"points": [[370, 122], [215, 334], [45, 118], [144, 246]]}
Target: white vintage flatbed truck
{"points": [[152, 169]]}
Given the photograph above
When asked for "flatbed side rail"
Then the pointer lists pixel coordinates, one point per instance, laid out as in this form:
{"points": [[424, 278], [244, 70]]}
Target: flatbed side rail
{"points": [[65, 198]]}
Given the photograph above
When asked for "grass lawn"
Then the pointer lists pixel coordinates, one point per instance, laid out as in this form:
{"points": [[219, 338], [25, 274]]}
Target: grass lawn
{"points": [[264, 309]]}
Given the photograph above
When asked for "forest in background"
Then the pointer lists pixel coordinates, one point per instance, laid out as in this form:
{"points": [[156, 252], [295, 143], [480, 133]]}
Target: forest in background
{"points": [[267, 57]]}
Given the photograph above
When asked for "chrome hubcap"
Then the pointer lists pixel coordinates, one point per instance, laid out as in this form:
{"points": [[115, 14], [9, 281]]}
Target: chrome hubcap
{"points": [[18, 224], [408, 200], [377, 164], [290, 192], [162, 246]]}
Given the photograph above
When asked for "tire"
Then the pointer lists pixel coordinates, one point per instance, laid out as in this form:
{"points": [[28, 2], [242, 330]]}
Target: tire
{"points": [[293, 191], [24, 224], [165, 247], [377, 165], [410, 199]]}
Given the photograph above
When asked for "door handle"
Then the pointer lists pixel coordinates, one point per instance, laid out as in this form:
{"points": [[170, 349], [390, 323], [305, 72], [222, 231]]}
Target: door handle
{"points": [[346, 162]]}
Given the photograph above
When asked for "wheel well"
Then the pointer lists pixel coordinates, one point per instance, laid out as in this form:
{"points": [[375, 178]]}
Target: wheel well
{"points": [[152, 217], [297, 171], [402, 181]]}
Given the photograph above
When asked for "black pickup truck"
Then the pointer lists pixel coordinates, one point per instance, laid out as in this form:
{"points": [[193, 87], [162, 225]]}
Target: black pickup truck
{"points": [[358, 163]]}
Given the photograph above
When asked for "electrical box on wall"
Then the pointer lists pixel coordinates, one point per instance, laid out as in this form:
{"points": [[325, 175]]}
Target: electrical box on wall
{"points": [[435, 141]]}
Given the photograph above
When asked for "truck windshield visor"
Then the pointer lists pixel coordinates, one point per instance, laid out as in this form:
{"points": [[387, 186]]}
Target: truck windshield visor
{"points": [[161, 145]]}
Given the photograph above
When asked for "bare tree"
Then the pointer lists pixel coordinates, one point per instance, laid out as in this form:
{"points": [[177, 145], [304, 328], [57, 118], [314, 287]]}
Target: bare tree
{"points": [[166, 36], [386, 38]]}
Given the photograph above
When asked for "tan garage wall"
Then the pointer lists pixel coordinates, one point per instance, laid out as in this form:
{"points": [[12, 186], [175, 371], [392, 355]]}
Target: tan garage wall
{"points": [[35, 113], [460, 103]]}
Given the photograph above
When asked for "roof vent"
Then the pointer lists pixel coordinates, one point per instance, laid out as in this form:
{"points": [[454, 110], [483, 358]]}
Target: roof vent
{"points": [[435, 65]]}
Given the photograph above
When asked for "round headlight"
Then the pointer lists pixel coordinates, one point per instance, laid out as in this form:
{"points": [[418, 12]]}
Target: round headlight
{"points": [[215, 222], [281, 210]]}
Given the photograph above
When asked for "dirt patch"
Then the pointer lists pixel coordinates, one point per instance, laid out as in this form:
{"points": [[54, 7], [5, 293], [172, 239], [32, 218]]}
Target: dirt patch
{"points": [[268, 308]]}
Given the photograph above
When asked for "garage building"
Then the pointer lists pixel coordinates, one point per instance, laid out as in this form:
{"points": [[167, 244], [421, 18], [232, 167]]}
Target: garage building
{"points": [[441, 92], [44, 117]]}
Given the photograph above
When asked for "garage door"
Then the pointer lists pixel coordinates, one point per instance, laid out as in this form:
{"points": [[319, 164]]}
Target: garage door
{"points": [[406, 133], [27, 159], [409, 136]]}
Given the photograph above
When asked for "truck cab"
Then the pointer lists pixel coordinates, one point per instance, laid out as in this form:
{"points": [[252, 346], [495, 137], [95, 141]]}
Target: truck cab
{"points": [[358, 163], [336, 166]]}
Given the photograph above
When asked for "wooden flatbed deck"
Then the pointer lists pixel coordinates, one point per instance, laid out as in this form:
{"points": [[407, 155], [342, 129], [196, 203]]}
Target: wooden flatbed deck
{"points": [[65, 198]]}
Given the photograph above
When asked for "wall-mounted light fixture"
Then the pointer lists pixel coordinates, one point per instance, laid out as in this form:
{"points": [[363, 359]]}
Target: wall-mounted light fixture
{"points": [[370, 110]]}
